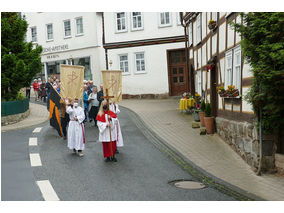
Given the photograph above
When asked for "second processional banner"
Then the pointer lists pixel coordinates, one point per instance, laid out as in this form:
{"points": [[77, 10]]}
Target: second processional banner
{"points": [[112, 80]]}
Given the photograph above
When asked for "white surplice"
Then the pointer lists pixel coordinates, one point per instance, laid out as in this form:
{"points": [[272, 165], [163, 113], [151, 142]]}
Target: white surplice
{"points": [[76, 128], [104, 130], [119, 138]]}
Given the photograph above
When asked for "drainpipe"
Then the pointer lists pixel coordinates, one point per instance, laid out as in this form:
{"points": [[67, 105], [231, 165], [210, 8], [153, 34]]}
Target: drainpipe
{"points": [[260, 143], [103, 26]]}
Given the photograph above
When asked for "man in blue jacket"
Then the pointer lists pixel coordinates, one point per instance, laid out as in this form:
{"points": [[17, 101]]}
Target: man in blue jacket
{"points": [[85, 100]]}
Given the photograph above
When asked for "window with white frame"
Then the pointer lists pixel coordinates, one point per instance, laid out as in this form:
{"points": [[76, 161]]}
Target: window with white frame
{"points": [[214, 16], [137, 21], [198, 28], [67, 28], [123, 63], [139, 62], [228, 70], [34, 34], [165, 19], [199, 82], [49, 29], [79, 26], [237, 68], [190, 33], [121, 22], [178, 18], [233, 74]]}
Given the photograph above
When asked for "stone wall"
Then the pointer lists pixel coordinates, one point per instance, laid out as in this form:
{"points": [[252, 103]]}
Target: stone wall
{"points": [[279, 163], [10, 119], [145, 96], [243, 138]]}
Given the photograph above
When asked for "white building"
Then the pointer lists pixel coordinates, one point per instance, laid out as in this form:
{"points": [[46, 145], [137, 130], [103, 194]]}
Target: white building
{"points": [[149, 48], [68, 36]]}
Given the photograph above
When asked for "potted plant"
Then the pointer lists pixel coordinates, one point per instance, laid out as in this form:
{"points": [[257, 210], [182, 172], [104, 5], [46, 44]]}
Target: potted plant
{"points": [[185, 95], [197, 98], [212, 24], [201, 113], [209, 120]]}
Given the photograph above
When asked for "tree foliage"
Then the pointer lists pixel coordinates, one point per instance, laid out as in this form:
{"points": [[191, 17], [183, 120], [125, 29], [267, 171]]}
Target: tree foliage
{"points": [[263, 47], [20, 61]]}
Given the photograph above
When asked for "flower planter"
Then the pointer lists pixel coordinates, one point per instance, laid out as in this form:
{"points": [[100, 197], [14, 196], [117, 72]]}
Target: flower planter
{"points": [[201, 116], [209, 124], [212, 25], [234, 93], [196, 116], [223, 94]]}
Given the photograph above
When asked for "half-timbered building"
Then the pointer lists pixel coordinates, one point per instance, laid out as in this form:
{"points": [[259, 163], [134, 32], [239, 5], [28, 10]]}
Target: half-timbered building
{"points": [[216, 59]]}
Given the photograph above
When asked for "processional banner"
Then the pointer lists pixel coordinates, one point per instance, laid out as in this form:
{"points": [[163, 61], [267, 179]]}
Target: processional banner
{"points": [[72, 81], [112, 80]]}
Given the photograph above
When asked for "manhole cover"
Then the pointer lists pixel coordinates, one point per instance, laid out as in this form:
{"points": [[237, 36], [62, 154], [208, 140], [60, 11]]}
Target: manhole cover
{"points": [[189, 184]]}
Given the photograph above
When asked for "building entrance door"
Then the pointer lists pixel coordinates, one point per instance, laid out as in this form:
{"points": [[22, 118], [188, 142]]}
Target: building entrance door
{"points": [[178, 76]]}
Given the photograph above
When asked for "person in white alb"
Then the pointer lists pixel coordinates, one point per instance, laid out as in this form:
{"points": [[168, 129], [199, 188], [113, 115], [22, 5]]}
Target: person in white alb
{"points": [[106, 119], [119, 140], [76, 131]]}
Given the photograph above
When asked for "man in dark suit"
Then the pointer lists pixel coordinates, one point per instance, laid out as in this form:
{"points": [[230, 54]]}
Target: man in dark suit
{"points": [[101, 94]]}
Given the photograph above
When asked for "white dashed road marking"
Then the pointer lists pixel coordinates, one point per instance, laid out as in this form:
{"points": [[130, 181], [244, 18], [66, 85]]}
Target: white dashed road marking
{"points": [[47, 190], [35, 159], [33, 142], [37, 129]]}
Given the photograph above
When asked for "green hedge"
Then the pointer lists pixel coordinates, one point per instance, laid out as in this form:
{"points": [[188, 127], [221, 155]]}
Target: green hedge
{"points": [[14, 107]]}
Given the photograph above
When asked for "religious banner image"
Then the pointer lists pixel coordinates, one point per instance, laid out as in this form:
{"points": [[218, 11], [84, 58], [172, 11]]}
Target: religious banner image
{"points": [[54, 106], [112, 80], [72, 81]]}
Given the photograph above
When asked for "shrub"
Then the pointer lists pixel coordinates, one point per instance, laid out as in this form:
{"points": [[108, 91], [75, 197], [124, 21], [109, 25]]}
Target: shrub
{"points": [[20, 61], [263, 47], [202, 108], [208, 110]]}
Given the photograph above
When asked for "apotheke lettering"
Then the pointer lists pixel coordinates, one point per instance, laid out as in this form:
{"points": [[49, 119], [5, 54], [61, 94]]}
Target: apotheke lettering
{"points": [[55, 48]]}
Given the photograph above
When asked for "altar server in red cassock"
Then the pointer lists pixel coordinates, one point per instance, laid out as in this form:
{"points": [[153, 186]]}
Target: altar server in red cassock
{"points": [[109, 144]]}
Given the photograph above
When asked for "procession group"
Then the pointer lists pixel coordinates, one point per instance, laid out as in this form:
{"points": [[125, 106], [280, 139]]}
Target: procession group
{"points": [[94, 108]]}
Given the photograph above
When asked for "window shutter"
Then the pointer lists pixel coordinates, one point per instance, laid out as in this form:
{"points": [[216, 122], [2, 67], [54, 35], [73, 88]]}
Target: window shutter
{"points": [[228, 73], [237, 68]]}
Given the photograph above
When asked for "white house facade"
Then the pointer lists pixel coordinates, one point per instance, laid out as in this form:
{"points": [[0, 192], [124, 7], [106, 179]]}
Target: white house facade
{"points": [[68, 38], [140, 43]]}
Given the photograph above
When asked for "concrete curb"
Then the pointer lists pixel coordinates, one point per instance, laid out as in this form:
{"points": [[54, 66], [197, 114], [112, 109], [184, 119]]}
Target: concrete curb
{"points": [[36, 117], [189, 166]]}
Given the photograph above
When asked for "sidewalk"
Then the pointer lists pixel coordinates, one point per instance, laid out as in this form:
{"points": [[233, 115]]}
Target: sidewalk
{"points": [[38, 115], [208, 152]]}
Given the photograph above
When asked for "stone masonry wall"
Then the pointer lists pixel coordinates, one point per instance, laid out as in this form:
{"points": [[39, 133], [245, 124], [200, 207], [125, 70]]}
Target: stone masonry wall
{"points": [[10, 119], [243, 138]]}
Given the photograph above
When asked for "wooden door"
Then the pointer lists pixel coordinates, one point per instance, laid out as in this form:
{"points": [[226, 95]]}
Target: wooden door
{"points": [[178, 76]]}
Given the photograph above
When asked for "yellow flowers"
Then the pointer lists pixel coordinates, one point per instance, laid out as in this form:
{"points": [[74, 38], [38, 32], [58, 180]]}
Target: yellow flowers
{"points": [[220, 89], [197, 95], [231, 88]]}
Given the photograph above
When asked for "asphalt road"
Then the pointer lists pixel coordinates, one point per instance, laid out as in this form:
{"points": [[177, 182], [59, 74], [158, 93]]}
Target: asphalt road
{"points": [[17, 178], [142, 172]]}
